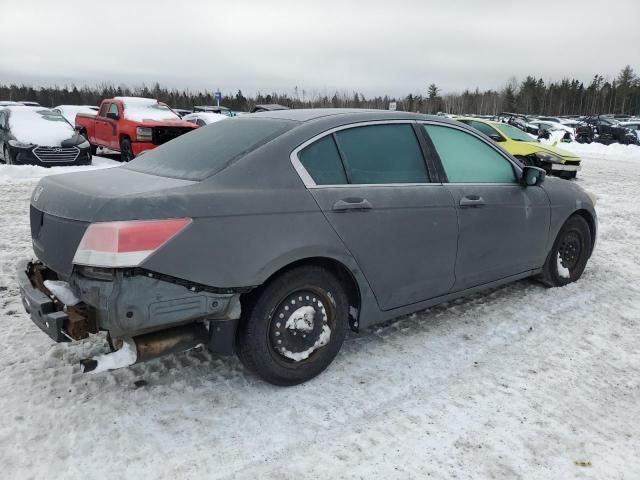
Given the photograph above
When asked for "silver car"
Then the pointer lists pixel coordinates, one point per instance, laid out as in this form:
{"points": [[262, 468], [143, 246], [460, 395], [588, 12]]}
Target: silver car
{"points": [[272, 234]]}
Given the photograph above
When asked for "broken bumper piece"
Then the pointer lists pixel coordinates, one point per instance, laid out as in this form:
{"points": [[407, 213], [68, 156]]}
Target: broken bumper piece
{"points": [[60, 322]]}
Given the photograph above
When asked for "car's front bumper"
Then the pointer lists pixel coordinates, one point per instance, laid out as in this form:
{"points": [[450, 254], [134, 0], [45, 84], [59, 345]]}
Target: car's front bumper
{"points": [[34, 156], [565, 167]]}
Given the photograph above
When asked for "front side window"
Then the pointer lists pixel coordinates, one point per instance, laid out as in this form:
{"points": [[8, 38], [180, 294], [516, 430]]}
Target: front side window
{"points": [[467, 159], [113, 108], [322, 161], [103, 110], [382, 154]]}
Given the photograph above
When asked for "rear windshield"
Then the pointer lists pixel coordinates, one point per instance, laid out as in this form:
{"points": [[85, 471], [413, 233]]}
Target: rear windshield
{"points": [[207, 150]]}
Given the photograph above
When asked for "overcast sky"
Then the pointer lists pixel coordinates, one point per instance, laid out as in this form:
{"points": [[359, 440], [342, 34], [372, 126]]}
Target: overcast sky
{"points": [[375, 47]]}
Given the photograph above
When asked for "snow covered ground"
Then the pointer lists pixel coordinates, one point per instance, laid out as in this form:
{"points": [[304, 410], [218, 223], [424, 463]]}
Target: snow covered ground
{"points": [[521, 382]]}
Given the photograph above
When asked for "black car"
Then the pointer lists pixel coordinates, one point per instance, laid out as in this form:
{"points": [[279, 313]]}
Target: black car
{"points": [[40, 137], [606, 131]]}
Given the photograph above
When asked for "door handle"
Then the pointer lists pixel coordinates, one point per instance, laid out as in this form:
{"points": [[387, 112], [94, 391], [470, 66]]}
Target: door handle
{"points": [[472, 201], [352, 204]]}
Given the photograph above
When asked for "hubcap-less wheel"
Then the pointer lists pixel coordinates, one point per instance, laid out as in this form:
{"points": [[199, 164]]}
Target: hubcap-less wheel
{"points": [[301, 325], [570, 253], [293, 327]]}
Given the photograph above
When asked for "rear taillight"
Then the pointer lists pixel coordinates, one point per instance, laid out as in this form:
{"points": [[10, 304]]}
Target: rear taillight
{"points": [[125, 244]]}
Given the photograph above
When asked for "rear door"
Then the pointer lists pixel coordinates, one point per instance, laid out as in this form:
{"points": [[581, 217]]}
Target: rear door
{"points": [[373, 184], [503, 225]]}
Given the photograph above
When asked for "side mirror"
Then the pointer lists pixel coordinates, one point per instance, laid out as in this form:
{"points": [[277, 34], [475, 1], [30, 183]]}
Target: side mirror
{"points": [[112, 116], [533, 176], [496, 138]]}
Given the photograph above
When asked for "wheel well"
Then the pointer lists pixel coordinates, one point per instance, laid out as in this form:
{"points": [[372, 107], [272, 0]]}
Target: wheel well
{"points": [[342, 273], [592, 225]]}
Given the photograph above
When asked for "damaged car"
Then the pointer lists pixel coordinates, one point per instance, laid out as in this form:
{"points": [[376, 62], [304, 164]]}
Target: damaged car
{"points": [[271, 235]]}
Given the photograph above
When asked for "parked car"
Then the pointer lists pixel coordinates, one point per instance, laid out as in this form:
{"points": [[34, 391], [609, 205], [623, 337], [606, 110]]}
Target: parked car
{"points": [[8, 103], [213, 109], [605, 130], [632, 125], [269, 107], [274, 233], [551, 126], [204, 118], [131, 125], [40, 137], [527, 149], [70, 111]]}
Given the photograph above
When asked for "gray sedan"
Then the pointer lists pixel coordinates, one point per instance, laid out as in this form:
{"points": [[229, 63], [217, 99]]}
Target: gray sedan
{"points": [[272, 234]]}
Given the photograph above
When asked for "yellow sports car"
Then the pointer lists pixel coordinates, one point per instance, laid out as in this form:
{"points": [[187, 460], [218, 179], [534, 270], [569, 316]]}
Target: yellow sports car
{"points": [[526, 148]]}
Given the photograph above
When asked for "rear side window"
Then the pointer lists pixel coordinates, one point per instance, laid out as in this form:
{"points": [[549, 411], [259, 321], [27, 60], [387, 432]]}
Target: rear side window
{"points": [[207, 150], [322, 161], [467, 159], [382, 154]]}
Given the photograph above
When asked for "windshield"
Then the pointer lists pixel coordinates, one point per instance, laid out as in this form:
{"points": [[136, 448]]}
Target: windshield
{"points": [[513, 133], [208, 150]]}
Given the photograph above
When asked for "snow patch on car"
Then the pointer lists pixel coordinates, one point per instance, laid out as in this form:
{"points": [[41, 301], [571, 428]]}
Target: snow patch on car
{"points": [[62, 291], [562, 270], [39, 126], [323, 339], [141, 109]]}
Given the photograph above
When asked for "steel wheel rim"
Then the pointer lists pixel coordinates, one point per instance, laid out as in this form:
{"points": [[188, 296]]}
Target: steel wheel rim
{"points": [[570, 250], [291, 334]]}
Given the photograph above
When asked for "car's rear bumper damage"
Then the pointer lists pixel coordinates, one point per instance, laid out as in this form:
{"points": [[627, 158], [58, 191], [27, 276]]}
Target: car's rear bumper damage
{"points": [[158, 314]]}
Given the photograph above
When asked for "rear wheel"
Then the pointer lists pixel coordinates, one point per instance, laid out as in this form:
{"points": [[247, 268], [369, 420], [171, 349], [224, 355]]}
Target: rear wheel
{"points": [[294, 327], [569, 255], [126, 152]]}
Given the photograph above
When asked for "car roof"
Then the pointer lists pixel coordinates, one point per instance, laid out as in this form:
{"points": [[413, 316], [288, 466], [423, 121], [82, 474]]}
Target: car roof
{"points": [[342, 114]]}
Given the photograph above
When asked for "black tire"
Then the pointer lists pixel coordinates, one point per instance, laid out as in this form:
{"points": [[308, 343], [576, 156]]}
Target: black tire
{"points": [[126, 152], [265, 334], [94, 149], [569, 255], [6, 156]]}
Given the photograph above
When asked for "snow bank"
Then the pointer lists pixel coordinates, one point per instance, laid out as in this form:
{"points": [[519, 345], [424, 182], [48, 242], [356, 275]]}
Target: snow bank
{"points": [[615, 151], [39, 126], [13, 173]]}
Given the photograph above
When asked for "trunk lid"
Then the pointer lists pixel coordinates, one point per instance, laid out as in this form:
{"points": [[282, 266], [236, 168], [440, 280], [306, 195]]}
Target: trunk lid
{"points": [[63, 206]]}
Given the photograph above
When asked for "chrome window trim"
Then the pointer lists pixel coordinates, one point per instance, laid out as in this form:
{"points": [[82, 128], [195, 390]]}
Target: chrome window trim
{"points": [[518, 169], [311, 184]]}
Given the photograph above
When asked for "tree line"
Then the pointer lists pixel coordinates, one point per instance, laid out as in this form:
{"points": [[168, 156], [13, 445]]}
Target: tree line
{"points": [[532, 95]]}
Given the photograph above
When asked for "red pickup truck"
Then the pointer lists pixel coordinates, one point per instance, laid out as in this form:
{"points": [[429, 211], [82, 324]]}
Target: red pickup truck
{"points": [[131, 125]]}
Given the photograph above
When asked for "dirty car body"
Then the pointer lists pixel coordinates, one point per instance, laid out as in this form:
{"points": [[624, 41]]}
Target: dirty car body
{"points": [[199, 229]]}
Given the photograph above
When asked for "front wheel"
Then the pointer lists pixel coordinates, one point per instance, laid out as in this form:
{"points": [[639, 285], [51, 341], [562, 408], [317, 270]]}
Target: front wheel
{"points": [[569, 254], [294, 327], [126, 151]]}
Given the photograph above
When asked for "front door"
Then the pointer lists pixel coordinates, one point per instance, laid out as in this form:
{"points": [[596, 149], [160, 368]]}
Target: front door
{"points": [[373, 187], [503, 225]]}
